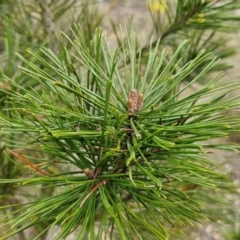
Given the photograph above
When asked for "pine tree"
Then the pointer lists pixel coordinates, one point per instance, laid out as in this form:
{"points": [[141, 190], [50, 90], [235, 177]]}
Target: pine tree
{"points": [[109, 143]]}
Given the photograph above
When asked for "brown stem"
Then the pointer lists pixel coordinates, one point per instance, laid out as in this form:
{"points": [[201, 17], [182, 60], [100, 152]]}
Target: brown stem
{"points": [[48, 22]]}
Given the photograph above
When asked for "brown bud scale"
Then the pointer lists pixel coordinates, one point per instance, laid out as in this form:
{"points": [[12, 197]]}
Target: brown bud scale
{"points": [[88, 172]]}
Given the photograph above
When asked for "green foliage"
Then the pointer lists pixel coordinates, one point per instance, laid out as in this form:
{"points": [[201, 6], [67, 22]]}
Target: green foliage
{"points": [[123, 161], [112, 142], [232, 234], [24, 25], [199, 21]]}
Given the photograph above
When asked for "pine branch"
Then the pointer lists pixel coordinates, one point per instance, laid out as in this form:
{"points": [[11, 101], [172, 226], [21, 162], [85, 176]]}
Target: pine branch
{"points": [[114, 143], [178, 25], [197, 16], [48, 23], [136, 148]]}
